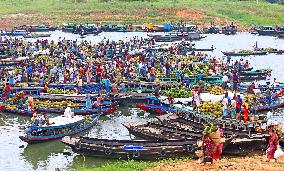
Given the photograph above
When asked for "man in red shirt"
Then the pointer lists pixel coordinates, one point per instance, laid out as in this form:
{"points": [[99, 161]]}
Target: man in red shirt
{"points": [[99, 71]]}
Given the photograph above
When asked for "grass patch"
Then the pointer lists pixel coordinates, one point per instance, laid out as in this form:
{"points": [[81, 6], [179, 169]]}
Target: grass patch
{"points": [[122, 166], [131, 165], [140, 11]]}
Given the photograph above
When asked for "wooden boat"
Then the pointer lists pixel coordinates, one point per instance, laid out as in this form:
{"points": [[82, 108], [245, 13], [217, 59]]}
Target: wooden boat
{"points": [[245, 53], [178, 36], [267, 30], [273, 105], [254, 75], [212, 30], [281, 34], [69, 28], [22, 112], [4, 56], [157, 131], [36, 35], [174, 129], [131, 149], [113, 28], [270, 50], [244, 146], [229, 30], [37, 28], [60, 127], [104, 110], [202, 49]]}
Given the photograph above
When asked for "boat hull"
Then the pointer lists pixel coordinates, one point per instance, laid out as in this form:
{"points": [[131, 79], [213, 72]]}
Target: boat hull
{"points": [[39, 139], [244, 54]]}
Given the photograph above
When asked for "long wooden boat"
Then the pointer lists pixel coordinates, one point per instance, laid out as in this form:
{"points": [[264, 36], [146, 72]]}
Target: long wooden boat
{"points": [[273, 105], [105, 111], [156, 131], [60, 127], [255, 53], [155, 108], [178, 130], [131, 149], [25, 112]]}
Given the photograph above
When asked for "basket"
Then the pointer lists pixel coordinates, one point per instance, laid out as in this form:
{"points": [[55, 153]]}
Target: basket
{"points": [[215, 137]]}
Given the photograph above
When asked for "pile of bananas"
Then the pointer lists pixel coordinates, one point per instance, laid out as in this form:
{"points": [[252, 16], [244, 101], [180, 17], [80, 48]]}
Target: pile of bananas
{"points": [[11, 107], [217, 90], [178, 93], [42, 58], [59, 91], [212, 108], [55, 105]]}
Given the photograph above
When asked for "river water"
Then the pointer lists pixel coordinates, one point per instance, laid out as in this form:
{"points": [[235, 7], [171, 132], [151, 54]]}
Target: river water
{"points": [[17, 155]]}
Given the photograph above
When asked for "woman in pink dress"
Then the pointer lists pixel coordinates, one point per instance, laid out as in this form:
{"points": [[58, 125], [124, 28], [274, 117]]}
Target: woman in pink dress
{"points": [[272, 146]]}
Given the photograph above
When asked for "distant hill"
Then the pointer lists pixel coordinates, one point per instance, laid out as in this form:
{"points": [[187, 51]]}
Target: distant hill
{"points": [[202, 12]]}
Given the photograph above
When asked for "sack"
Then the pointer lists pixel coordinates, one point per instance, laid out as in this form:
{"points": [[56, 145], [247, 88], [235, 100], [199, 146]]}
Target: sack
{"points": [[278, 153]]}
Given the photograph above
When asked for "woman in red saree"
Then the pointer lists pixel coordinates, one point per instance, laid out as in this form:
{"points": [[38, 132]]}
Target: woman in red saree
{"points": [[209, 150], [246, 111], [219, 148], [272, 146]]}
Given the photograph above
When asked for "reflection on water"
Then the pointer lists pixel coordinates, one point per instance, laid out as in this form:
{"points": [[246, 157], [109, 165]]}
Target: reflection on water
{"points": [[17, 155]]}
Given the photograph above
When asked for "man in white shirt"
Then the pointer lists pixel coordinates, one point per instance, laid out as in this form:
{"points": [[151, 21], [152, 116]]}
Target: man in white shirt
{"points": [[269, 115], [225, 103], [225, 80]]}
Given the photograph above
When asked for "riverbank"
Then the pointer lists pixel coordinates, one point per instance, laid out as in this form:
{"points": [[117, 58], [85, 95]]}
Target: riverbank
{"points": [[252, 162], [200, 12]]}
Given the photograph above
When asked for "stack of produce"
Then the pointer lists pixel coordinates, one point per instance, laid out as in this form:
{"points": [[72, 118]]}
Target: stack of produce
{"points": [[11, 107], [43, 58], [178, 93], [245, 51], [55, 105], [198, 68], [137, 80], [59, 91], [217, 90], [212, 108]]}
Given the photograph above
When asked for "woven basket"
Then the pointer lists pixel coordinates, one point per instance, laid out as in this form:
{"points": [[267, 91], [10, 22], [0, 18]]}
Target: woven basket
{"points": [[215, 137]]}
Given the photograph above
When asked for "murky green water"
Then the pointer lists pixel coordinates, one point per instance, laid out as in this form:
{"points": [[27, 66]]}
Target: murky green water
{"points": [[17, 155]]}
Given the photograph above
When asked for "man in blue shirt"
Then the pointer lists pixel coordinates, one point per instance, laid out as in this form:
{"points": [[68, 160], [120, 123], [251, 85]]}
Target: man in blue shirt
{"points": [[29, 72], [199, 76]]}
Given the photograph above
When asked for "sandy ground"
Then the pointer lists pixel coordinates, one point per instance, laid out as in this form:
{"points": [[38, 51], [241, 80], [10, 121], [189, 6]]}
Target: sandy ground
{"points": [[255, 162]]}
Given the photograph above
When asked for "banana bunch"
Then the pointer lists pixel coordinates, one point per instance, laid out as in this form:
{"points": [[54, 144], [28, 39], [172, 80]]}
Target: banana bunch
{"points": [[45, 58], [212, 108], [217, 90], [250, 98], [178, 93], [11, 107], [59, 91], [55, 105]]}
